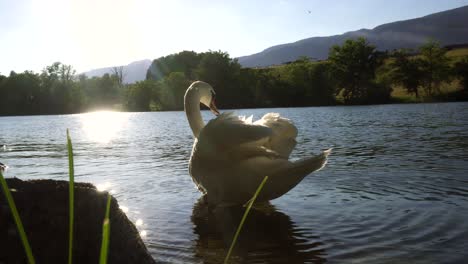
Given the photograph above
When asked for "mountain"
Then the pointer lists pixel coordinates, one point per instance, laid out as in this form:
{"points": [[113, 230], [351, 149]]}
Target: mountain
{"points": [[133, 72], [448, 27]]}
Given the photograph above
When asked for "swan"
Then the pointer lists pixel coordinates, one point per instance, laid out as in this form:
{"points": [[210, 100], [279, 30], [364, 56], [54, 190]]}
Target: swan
{"points": [[231, 155]]}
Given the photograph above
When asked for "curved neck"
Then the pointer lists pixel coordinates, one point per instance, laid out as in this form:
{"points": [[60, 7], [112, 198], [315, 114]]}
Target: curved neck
{"points": [[192, 110]]}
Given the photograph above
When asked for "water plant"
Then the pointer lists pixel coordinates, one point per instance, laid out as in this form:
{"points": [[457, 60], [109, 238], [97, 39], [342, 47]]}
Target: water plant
{"points": [[247, 210], [105, 233], [17, 219], [71, 185]]}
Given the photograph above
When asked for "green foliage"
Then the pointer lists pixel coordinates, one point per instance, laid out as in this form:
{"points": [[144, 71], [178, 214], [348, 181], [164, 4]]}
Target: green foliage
{"points": [[407, 71], [21, 93], [461, 71], [105, 233], [16, 217], [355, 72], [174, 86], [355, 64], [139, 95], [56, 90], [222, 72], [307, 83], [185, 61], [435, 67]]}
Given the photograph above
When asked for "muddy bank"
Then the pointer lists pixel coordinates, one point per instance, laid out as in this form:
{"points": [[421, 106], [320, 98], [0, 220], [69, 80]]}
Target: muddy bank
{"points": [[43, 208]]}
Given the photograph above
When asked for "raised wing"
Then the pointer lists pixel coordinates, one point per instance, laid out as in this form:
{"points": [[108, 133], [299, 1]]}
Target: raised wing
{"points": [[228, 131], [284, 133]]}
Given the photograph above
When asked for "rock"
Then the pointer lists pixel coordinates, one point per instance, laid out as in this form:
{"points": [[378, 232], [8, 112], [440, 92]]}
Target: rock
{"points": [[43, 208]]}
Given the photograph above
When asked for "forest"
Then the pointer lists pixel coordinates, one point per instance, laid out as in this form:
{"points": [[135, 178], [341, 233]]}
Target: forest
{"points": [[355, 73]]}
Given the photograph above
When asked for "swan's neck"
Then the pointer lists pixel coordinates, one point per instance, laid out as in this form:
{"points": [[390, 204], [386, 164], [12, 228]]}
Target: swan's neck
{"points": [[192, 110]]}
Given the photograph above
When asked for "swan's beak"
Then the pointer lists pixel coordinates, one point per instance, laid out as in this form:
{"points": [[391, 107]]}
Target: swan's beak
{"points": [[213, 107]]}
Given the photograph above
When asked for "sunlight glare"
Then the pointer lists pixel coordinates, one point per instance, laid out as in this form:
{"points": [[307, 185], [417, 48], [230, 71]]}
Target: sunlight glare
{"points": [[139, 222], [103, 187], [124, 209], [103, 126]]}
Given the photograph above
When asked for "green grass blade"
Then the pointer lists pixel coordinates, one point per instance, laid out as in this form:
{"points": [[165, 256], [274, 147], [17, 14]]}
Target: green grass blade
{"points": [[17, 219], [234, 240], [105, 233], [71, 183]]}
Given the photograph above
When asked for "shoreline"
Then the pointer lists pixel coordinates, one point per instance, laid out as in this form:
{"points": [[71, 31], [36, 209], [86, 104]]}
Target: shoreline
{"points": [[394, 101], [43, 208]]}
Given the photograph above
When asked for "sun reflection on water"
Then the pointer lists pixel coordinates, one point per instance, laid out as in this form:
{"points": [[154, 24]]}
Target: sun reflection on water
{"points": [[124, 208], [131, 214], [103, 186], [103, 126], [139, 222]]}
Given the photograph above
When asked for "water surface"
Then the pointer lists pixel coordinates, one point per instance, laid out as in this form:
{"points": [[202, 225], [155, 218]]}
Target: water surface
{"points": [[395, 188]]}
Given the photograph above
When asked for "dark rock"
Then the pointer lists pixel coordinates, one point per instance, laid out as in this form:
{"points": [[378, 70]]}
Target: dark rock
{"points": [[43, 208]]}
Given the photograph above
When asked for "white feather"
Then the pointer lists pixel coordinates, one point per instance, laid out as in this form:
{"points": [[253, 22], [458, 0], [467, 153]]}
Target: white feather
{"points": [[232, 155]]}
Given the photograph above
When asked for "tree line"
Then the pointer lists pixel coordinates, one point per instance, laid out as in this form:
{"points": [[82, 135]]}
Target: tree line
{"points": [[355, 73], [57, 90]]}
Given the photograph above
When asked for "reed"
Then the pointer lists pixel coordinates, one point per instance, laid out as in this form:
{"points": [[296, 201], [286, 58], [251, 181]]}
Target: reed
{"points": [[71, 185], [17, 219], [105, 233], [234, 240]]}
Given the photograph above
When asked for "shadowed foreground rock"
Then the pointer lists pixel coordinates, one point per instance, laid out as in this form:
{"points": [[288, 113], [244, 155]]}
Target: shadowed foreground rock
{"points": [[43, 208]]}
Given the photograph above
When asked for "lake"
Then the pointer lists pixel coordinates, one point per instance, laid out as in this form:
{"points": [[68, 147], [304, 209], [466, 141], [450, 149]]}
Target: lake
{"points": [[395, 188]]}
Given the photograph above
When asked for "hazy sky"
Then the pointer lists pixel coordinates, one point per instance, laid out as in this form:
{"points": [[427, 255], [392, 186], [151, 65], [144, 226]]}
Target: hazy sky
{"points": [[97, 33]]}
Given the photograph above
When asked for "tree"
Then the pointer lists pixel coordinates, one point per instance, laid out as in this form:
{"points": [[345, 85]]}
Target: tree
{"points": [[222, 72], [139, 95], [58, 82], [435, 67], [406, 71], [260, 84], [461, 71], [174, 85], [119, 74], [185, 62], [21, 94], [108, 91], [321, 90], [354, 65]]}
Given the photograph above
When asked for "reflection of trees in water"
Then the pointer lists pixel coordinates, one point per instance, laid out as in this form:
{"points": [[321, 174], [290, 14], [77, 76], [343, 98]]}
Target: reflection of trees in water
{"points": [[268, 236]]}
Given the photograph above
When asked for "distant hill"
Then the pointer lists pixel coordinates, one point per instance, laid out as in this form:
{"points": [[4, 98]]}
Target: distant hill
{"points": [[133, 72], [448, 27]]}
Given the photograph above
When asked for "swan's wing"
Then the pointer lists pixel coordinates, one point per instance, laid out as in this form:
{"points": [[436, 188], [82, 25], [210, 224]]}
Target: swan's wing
{"points": [[239, 183], [287, 177], [247, 151], [228, 131], [284, 133]]}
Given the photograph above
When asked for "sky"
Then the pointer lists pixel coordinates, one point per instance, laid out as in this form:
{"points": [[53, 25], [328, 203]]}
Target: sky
{"points": [[89, 34]]}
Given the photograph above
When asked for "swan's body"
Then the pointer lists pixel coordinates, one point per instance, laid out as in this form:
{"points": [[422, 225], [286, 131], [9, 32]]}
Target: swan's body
{"points": [[231, 155]]}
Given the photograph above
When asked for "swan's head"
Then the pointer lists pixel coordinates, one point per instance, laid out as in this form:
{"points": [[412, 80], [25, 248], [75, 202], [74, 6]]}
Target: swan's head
{"points": [[206, 93]]}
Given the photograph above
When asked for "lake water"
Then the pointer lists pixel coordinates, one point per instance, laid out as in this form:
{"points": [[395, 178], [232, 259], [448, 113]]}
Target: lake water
{"points": [[395, 188]]}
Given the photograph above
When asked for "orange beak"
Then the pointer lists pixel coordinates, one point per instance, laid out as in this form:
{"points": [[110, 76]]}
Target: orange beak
{"points": [[213, 107]]}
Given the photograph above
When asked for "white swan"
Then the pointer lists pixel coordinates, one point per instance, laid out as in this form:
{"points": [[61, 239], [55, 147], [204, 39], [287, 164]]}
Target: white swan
{"points": [[231, 155]]}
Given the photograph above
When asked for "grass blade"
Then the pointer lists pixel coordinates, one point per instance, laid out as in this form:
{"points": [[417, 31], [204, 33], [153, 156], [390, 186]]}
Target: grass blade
{"points": [[19, 225], [234, 240], [71, 183], [105, 233]]}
